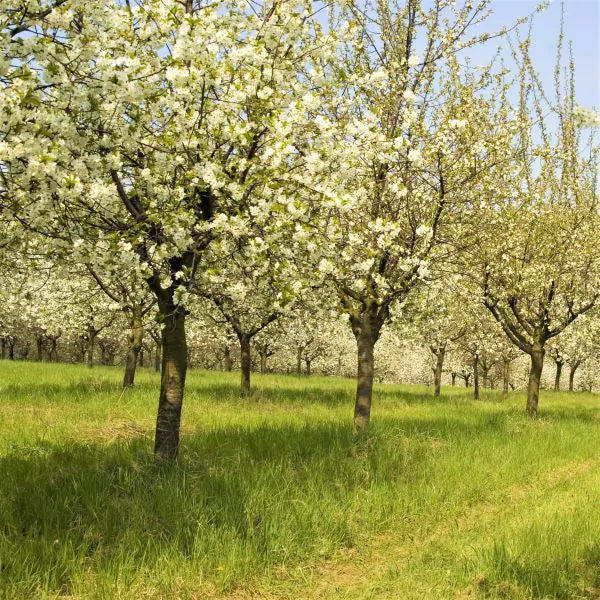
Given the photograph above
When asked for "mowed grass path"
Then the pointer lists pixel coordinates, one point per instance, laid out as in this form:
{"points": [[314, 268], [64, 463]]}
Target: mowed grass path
{"points": [[275, 497]]}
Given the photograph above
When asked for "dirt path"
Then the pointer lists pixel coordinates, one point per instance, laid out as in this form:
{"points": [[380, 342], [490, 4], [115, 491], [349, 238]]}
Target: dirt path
{"points": [[354, 574]]}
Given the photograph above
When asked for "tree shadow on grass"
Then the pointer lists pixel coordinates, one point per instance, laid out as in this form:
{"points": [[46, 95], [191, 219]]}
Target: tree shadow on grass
{"points": [[544, 575], [238, 501]]}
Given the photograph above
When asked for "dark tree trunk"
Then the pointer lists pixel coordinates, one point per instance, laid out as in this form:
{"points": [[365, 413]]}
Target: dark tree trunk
{"points": [[505, 376], [572, 370], [467, 378], [559, 366], [453, 376], [246, 363], [299, 360], [135, 340], [53, 352], [39, 342], [366, 327], [172, 383], [227, 358], [364, 379], [11, 349], [533, 388], [476, 377], [308, 362], [437, 372]]}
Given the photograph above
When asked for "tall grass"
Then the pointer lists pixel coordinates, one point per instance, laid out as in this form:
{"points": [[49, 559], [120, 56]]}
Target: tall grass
{"points": [[461, 495]]}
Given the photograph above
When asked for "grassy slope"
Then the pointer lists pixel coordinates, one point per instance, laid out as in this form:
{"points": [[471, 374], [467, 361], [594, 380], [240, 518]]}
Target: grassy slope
{"points": [[274, 497]]}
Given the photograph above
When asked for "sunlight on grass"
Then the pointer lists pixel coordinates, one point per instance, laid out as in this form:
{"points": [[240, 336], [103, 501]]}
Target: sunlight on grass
{"points": [[443, 497]]}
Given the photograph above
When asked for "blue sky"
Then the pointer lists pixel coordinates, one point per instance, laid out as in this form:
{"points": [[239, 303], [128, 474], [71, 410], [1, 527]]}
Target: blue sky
{"points": [[582, 27]]}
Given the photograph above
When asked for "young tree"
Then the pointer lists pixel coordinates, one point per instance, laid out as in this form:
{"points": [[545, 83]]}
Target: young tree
{"points": [[539, 262], [413, 136]]}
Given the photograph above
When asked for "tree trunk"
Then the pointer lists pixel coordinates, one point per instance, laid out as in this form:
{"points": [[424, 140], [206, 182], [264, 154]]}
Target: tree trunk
{"points": [[533, 388], [308, 362], [135, 339], [572, 370], [453, 376], [39, 342], [54, 351], [227, 358], [559, 366], [299, 360], [467, 378], [11, 349], [263, 363], [172, 383], [364, 379], [476, 377], [505, 377], [485, 371], [246, 363], [437, 372]]}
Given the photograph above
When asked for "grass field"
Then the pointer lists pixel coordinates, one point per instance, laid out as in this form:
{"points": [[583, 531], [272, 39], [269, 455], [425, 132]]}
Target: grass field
{"points": [[274, 496]]}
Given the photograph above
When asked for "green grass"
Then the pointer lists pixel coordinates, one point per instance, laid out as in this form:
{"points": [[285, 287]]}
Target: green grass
{"points": [[275, 497]]}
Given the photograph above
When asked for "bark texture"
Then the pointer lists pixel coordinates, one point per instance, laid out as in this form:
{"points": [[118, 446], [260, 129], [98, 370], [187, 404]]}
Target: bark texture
{"points": [[172, 383], [533, 387], [366, 328], [364, 380], [559, 366], [573, 368], [437, 371], [135, 339], [246, 363]]}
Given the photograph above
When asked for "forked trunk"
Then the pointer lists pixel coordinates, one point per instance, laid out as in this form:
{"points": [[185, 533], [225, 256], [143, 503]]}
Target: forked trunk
{"points": [[533, 388], [559, 366], [246, 363], [505, 377], [437, 372], [453, 376], [172, 383], [476, 377], [308, 362], [135, 339]]}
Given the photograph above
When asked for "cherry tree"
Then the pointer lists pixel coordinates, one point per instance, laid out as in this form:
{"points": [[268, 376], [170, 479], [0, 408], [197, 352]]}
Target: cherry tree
{"points": [[145, 130], [538, 262], [413, 136], [436, 319]]}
